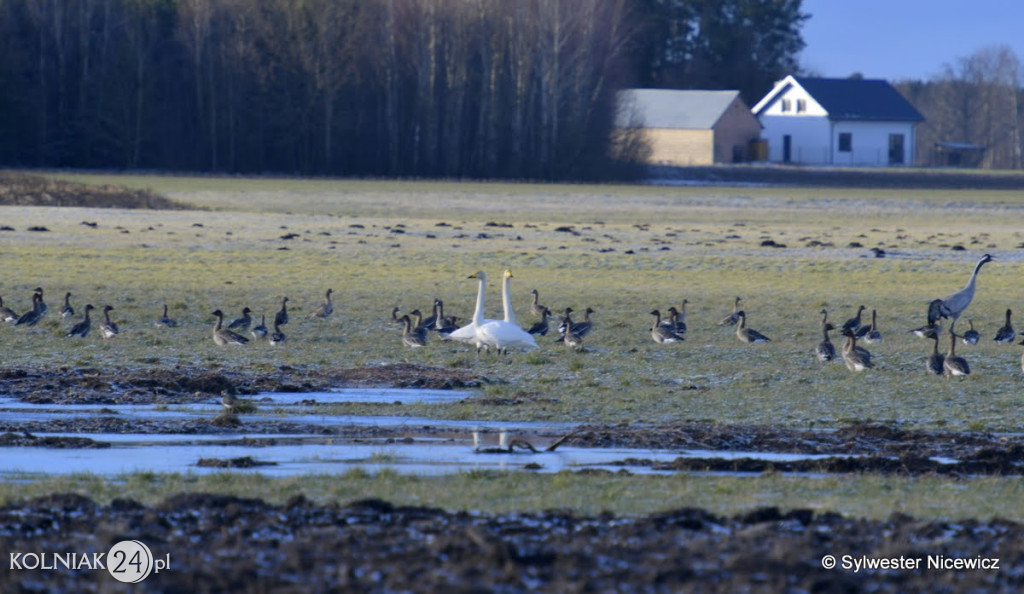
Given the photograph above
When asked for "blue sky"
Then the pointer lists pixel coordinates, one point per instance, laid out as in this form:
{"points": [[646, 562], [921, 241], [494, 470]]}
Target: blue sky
{"points": [[900, 39]]}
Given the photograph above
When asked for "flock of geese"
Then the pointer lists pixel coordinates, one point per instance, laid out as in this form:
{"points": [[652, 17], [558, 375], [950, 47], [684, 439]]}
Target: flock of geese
{"points": [[501, 335]]}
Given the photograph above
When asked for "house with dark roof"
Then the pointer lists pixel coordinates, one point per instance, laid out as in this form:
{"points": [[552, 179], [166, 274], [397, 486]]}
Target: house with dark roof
{"points": [[838, 121], [689, 127]]}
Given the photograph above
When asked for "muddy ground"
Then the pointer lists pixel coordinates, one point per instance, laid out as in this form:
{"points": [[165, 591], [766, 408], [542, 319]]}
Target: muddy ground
{"points": [[227, 544], [222, 543], [877, 448]]}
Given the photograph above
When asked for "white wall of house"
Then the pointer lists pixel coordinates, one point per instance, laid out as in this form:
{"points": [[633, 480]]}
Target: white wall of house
{"points": [[869, 143], [809, 138], [815, 140]]}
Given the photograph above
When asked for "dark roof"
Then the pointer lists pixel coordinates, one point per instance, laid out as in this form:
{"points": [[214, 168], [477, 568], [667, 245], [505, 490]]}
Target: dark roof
{"points": [[859, 99]]}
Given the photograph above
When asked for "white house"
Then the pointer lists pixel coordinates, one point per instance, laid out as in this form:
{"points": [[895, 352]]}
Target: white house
{"points": [[837, 121]]}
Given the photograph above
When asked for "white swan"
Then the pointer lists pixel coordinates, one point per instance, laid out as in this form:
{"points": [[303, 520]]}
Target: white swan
{"points": [[467, 333], [502, 334]]}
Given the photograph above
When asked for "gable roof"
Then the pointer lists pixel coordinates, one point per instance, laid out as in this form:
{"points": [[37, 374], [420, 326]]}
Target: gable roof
{"points": [[849, 99], [665, 108]]}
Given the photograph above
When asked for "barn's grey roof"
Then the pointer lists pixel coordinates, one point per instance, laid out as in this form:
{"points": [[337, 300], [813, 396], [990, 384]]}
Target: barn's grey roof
{"points": [[664, 108], [854, 99]]}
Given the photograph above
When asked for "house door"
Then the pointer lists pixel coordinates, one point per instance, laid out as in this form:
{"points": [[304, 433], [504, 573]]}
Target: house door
{"points": [[895, 149], [787, 148]]}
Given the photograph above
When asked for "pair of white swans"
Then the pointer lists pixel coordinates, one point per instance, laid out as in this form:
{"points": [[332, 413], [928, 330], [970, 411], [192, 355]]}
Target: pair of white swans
{"points": [[497, 334]]}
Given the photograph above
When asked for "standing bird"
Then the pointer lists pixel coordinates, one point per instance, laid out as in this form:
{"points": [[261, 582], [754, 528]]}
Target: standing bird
{"points": [[326, 308], [571, 339], [67, 311], [853, 324], [32, 316], [870, 334], [536, 308], [1006, 334], [7, 314], [856, 358], [108, 329], [260, 331], [584, 327], [541, 328], [165, 321], [43, 308], [952, 306], [222, 336], [933, 326], [412, 337], [825, 351], [661, 333], [936, 360], [228, 400], [243, 322], [731, 319], [971, 336], [680, 317], [748, 334], [82, 328], [418, 328], [954, 364], [281, 317]]}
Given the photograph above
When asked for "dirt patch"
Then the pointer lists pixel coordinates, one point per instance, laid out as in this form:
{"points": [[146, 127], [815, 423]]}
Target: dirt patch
{"points": [[23, 189], [220, 543], [240, 462], [26, 439]]}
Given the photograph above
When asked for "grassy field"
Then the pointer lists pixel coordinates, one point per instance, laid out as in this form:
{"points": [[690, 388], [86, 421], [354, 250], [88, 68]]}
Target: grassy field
{"points": [[622, 250]]}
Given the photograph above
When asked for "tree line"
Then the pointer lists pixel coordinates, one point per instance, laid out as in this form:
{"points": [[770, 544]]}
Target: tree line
{"points": [[454, 88]]}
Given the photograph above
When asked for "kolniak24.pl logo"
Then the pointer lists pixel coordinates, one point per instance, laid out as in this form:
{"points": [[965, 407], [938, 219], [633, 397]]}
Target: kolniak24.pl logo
{"points": [[128, 561]]}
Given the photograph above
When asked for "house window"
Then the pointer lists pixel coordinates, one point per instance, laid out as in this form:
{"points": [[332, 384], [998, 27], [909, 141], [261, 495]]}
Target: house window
{"points": [[786, 105], [845, 142], [801, 105]]}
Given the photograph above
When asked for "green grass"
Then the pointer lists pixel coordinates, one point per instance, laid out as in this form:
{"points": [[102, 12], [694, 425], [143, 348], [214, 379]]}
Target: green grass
{"points": [[346, 241]]}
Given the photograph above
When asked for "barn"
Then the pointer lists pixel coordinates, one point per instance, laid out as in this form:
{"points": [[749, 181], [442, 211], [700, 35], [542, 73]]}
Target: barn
{"points": [[690, 127], [838, 121]]}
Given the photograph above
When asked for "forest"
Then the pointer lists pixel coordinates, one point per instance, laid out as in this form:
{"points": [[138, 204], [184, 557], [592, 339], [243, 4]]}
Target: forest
{"points": [[480, 89]]}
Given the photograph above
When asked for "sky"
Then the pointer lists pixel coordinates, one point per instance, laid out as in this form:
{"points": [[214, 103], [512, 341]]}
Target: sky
{"points": [[904, 39]]}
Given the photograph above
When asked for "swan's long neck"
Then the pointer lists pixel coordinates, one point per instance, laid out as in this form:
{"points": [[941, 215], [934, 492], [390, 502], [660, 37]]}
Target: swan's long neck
{"points": [[506, 300], [478, 314]]}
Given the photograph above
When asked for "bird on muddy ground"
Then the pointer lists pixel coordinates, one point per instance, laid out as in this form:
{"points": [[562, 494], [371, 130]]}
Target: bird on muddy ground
{"points": [[242, 323], [165, 321], [936, 360], [540, 328], [734, 317], [281, 317], [32, 316], [971, 336], [536, 308], [67, 311], [856, 358], [326, 308], [222, 336], [662, 333], [260, 330], [413, 337], [952, 306], [825, 351], [7, 314]]}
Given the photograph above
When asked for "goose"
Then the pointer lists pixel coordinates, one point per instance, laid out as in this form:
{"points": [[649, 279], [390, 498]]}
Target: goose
{"points": [[438, 321], [734, 317], [81, 329], [825, 351], [1006, 333], [583, 328], [394, 315], [870, 334], [326, 308], [43, 308], [165, 321], [954, 365], [281, 317], [933, 326], [260, 331], [541, 328], [419, 328], [276, 337], [228, 400], [971, 336], [571, 339], [566, 323], [936, 360], [536, 308], [108, 329], [410, 335], [7, 314], [222, 336], [952, 306], [661, 333], [243, 322], [747, 334], [680, 318], [67, 311], [32, 316], [853, 324], [856, 358]]}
